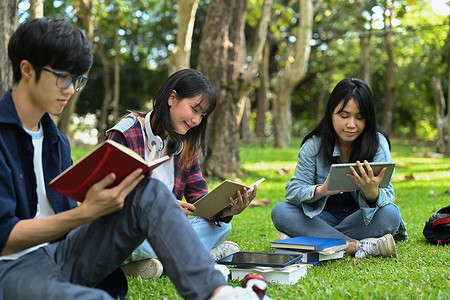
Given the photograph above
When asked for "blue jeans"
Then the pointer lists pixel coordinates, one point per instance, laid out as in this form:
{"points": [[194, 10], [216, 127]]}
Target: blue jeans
{"points": [[290, 219], [210, 236], [71, 268]]}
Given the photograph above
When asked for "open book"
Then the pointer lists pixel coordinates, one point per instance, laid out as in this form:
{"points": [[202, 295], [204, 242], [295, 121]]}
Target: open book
{"points": [[108, 157], [219, 198]]}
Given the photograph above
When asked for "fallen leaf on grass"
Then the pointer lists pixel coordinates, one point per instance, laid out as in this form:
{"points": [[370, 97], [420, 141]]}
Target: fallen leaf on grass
{"points": [[409, 177], [426, 153], [283, 171], [260, 202], [432, 193]]}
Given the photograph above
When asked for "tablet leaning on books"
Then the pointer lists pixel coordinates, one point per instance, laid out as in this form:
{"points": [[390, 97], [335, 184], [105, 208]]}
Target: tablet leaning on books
{"points": [[287, 275], [278, 268], [291, 272]]}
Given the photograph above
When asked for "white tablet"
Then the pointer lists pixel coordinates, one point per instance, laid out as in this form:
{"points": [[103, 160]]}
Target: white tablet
{"points": [[339, 180]]}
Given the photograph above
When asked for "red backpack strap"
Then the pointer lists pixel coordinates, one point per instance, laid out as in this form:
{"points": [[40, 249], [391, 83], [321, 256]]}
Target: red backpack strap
{"points": [[441, 221]]}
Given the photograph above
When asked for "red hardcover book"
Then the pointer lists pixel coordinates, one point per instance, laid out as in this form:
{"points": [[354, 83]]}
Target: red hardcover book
{"points": [[108, 157]]}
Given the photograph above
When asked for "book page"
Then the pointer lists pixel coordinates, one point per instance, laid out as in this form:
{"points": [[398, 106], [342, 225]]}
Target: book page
{"points": [[219, 198]]}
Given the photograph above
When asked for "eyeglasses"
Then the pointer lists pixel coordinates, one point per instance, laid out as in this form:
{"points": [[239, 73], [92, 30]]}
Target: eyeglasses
{"points": [[64, 79]]}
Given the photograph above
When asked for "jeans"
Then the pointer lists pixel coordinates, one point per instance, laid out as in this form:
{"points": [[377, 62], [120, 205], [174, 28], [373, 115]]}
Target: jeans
{"points": [[69, 269], [290, 219], [209, 234]]}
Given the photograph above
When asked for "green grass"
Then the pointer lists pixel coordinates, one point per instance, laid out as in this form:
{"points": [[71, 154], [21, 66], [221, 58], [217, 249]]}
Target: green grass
{"points": [[421, 270]]}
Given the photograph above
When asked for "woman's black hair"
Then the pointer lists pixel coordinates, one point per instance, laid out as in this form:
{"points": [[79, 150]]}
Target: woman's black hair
{"points": [[366, 145], [187, 83], [52, 42]]}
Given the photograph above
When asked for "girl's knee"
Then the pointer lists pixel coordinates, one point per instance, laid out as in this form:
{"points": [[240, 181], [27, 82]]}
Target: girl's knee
{"points": [[278, 210], [390, 214]]}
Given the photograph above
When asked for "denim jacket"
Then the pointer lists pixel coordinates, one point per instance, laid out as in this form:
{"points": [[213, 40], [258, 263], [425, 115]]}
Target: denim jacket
{"points": [[312, 170], [18, 198]]}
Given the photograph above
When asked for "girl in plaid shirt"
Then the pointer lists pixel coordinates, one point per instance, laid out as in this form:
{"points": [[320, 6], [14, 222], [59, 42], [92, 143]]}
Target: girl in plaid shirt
{"points": [[176, 127]]}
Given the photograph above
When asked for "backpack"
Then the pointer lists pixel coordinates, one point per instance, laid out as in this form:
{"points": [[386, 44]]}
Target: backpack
{"points": [[437, 228]]}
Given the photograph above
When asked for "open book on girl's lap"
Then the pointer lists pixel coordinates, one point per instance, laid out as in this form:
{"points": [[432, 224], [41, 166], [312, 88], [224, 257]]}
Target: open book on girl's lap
{"points": [[219, 198]]}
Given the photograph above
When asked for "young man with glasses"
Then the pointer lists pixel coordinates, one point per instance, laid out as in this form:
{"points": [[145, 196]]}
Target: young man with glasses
{"points": [[50, 247]]}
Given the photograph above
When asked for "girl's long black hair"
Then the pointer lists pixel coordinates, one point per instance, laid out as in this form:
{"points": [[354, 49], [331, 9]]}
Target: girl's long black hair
{"points": [[366, 145], [187, 83]]}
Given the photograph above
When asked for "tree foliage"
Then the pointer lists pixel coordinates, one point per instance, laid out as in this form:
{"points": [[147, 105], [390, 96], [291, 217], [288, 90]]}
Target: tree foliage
{"points": [[147, 32]]}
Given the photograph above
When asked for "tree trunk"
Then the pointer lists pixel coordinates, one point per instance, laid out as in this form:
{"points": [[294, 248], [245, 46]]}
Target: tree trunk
{"points": [[181, 54], [441, 121], [262, 101], [321, 103], [245, 132], [108, 93], [36, 9], [282, 118], [364, 43], [291, 75], [10, 20], [447, 136], [389, 80], [220, 59], [116, 90], [65, 118]]}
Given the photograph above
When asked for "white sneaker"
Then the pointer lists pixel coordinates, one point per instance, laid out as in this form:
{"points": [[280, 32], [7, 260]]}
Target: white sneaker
{"points": [[223, 250], [237, 293], [383, 246], [147, 268], [283, 236]]}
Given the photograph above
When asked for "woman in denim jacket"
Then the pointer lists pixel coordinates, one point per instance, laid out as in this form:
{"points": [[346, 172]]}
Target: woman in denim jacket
{"points": [[366, 217]]}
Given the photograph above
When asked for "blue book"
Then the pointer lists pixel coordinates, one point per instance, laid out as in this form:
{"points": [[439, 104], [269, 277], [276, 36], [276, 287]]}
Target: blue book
{"points": [[307, 243]]}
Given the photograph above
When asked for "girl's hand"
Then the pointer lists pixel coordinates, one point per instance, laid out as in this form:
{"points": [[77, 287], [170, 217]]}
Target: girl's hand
{"points": [[241, 202], [188, 208], [322, 190], [367, 182]]}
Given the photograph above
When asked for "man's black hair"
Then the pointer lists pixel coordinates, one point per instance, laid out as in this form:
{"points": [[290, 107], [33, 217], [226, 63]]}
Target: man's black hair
{"points": [[52, 42]]}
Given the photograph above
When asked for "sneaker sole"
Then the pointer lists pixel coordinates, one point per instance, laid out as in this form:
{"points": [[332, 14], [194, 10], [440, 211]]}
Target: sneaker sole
{"points": [[146, 269], [391, 249]]}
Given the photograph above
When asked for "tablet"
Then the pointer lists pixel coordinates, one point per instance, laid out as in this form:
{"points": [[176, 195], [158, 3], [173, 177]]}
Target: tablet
{"points": [[339, 180], [260, 259]]}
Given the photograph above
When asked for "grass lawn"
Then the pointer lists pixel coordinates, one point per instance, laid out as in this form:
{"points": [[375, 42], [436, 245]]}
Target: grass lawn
{"points": [[421, 270]]}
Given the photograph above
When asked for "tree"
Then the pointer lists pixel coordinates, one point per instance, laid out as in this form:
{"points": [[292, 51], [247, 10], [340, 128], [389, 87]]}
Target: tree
{"points": [[10, 21], [181, 54], [85, 15], [389, 79], [448, 95], [292, 71], [441, 120], [221, 59], [364, 43], [36, 9], [262, 99]]}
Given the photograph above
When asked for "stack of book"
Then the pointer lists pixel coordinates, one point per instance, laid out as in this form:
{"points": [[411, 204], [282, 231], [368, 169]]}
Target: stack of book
{"points": [[313, 249], [285, 275]]}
